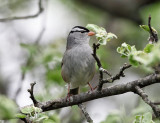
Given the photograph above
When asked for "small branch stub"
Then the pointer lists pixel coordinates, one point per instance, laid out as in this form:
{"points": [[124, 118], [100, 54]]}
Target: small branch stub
{"points": [[153, 35], [117, 76], [35, 102], [156, 103], [105, 71], [121, 72]]}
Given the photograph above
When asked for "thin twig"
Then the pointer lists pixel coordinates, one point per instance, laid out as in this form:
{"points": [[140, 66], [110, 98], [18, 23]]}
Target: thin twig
{"points": [[95, 47], [156, 103], [144, 96], [40, 7], [117, 76], [40, 36], [35, 102], [84, 111], [105, 71], [153, 36], [153, 39], [121, 72]]}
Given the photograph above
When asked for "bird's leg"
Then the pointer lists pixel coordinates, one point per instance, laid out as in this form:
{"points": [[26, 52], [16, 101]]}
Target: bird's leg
{"points": [[68, 94], [90, 87]]}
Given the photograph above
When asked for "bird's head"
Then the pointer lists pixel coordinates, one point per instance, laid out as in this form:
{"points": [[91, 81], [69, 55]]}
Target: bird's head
{"points": [[79, 35]]}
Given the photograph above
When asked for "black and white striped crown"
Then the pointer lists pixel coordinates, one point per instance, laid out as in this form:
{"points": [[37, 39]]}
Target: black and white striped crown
{"points": [[79, 29]]}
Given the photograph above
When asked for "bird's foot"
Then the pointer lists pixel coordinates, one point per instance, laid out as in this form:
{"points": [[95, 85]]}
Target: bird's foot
{"points": [[68, 97]]}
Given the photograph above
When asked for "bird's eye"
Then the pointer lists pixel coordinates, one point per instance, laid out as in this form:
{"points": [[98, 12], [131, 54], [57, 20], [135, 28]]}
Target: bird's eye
{"points": [[83, 31]]}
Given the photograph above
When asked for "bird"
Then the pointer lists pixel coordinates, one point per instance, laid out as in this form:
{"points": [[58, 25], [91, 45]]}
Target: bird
{"points": [[78, 64]]}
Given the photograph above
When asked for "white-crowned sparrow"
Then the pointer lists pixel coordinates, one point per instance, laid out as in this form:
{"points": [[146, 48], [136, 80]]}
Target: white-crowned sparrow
{"points": [[78, 64]]}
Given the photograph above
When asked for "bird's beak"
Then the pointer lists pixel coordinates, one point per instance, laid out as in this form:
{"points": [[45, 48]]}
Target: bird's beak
{"points": [[91, 33]]}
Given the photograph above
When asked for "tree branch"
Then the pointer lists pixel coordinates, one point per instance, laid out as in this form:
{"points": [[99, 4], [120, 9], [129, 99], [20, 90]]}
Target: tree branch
{"points": [[144, 96], [40, 7], [83, 108], [109, 91], [156, 103]]}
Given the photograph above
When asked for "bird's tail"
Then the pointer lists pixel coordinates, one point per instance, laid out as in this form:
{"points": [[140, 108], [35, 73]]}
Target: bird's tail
{"points": [[74, 91]]}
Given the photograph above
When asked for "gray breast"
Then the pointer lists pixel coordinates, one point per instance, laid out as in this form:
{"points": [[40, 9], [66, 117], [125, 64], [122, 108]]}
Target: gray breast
{"points": [[79, 65]]}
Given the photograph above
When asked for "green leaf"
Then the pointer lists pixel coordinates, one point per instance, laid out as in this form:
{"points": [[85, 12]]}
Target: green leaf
{"points": [[94, 28], [41, 117], [146, 28], [27, 109], [148, 48], [132, 61], [37, 110], [8, 108], [101, 34], [111, 36], [20, 115], [148, 58], [138, 119], [129, 51], [125, 50], [146, 118], [30, 109]]}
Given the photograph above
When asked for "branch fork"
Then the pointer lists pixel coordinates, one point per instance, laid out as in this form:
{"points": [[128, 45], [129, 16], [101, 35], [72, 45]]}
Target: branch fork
{"points": [[35, 102], [40, 10], [102, 70]]}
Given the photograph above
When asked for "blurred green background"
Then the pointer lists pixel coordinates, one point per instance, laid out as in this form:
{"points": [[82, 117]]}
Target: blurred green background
{"points": [[32, 49]]}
